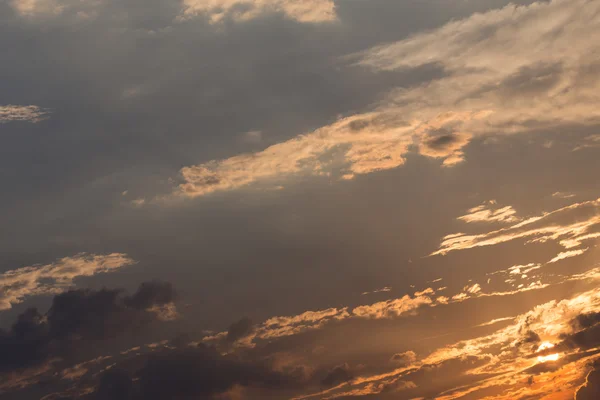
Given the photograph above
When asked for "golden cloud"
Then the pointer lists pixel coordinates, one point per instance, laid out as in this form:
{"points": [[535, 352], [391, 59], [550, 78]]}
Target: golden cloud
{"points": [[18, 284]]}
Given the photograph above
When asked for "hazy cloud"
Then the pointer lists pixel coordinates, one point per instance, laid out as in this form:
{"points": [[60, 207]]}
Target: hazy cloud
{"points": [[308, 11]]}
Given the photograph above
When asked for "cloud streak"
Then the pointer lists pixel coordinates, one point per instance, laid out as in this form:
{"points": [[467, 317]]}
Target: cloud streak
{"points": [[485, 213], [19, 284], [565, 226], [11, 113]]}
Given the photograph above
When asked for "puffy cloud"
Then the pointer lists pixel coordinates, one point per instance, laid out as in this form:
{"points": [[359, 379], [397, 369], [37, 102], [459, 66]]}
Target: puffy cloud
{"points": [[392, 308], [404, 359], [16, 285], [74, 317], [307, 11], [338, 375], [11, 112]]}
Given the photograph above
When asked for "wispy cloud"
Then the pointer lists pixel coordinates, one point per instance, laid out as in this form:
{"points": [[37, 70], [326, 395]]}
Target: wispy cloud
{"points": [[18, 284], [487, 213], [356, 145], [11, 112], [382, 290], [564, 225], [496, 81], [568, 254]]}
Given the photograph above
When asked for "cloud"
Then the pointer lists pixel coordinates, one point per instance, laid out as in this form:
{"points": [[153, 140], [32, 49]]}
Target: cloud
{"points": [[285, 326], [563, 195], [9, 113], [495, 82], [306, 11], [239, 330], [485, 213], [382, 290], [404, 359], [391, 308], [193, 372], [567, 254], [357, 145], [591, 389], [252, 137], [499, 362], [75, 317], [39, 9], [444, 145], [564, 225], [115, 384], [19, 284], [338, 375], [495, 321]]}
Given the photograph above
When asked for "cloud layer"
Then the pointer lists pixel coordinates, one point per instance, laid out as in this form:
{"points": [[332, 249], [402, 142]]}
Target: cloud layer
{"points": [[507, 71]]}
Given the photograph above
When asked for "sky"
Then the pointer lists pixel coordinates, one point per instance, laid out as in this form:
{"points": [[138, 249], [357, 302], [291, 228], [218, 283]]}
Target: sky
{"points": [[299, 199]]}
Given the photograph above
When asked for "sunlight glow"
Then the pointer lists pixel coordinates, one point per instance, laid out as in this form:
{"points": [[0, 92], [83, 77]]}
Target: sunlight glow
{"points": [[545, 345], [551, 357]]}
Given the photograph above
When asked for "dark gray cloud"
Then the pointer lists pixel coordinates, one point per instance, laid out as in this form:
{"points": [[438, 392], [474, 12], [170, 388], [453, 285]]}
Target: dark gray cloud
{"points": [[337, 375], [591, 388], [78, 318], [239, 330]]}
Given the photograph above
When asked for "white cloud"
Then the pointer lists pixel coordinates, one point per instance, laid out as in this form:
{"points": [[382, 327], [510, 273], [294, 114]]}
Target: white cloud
{"points": [[19, 284]]}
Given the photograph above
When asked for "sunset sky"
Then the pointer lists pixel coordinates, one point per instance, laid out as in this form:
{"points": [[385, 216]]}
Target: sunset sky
{"points": [[299, 199]]}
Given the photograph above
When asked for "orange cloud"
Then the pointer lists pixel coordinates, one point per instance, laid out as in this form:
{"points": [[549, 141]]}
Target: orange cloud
{"points": [[563, 225]]}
